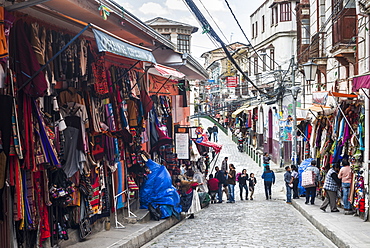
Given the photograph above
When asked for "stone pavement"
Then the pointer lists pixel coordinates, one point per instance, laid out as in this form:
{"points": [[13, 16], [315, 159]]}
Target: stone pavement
{"points": [[257, 223]]}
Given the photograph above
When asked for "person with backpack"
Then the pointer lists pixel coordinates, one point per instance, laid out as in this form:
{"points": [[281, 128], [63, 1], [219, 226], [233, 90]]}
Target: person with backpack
{"points": [[242, 179], [311, 191], [269, 179]]}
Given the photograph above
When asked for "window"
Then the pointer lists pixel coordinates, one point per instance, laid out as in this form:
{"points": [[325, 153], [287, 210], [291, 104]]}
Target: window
{"points": [[285, 12], [322, 12], [274, 16], [167, 36], [256, 29], [264, 62], [272, 59], [263, 24], [256, 65], [183, 43], [305, 31], [252, 30]]}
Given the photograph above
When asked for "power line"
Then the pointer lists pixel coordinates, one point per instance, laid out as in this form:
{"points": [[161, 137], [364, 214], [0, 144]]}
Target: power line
{"points": [[237, 22], [214, 21], [206, 26]]}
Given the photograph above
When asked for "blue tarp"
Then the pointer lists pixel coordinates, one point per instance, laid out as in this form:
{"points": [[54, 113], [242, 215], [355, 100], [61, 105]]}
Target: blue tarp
{"points": [[159, 191], [302, 167]]}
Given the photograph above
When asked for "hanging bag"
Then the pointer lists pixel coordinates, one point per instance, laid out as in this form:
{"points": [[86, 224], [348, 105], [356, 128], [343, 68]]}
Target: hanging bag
{"points": [[308, 179]]}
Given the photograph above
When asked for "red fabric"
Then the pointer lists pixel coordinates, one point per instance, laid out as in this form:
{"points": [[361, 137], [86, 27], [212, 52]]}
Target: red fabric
{"points": [[27, 63], [205, 142], [213, 184]]}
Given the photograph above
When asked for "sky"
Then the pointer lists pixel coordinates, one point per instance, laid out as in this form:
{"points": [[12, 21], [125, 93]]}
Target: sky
{"points": [[177, 10]]}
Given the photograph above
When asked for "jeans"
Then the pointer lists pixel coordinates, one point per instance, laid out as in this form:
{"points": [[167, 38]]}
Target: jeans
{"points": [[288, 193], [310, 192], [215, 137], [220, 192], [241, 187], [268, 185], [231, 188], [346, 189]]}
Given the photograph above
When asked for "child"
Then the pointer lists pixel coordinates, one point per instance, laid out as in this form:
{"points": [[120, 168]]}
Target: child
{"points": [[252, 182]]}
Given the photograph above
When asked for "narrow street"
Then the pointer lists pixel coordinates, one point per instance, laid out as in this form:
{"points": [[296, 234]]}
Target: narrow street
{"points": [[257, 223]]}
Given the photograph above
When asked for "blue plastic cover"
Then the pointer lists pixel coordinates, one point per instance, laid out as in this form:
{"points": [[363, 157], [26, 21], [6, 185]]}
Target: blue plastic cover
{"points": [[302, 167], [158, 190]]}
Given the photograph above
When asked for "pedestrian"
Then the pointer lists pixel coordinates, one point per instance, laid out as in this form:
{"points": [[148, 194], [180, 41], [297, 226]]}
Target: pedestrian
{"points": [[189, 198], [252, 182], [311, 191], [295, 176], [346, 175], [243, 179], [215, 133], [220, 175], [331, 185], [212, 187], [226, 122], [269, 179], [266, 161], [209, 133], [231, 181], [218, 116], [288, 179], [224, 164]]}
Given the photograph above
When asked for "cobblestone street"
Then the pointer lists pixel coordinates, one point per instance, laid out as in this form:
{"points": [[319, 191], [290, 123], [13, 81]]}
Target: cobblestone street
{"points": [[258, 223]]}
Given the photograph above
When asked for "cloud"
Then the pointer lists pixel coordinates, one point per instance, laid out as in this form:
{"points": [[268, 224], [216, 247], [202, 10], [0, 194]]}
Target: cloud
{"points": [[176, 5], [153, 8]]}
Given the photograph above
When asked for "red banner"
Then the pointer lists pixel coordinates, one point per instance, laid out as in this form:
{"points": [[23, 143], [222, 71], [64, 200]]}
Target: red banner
{"points": [[232, 82]]}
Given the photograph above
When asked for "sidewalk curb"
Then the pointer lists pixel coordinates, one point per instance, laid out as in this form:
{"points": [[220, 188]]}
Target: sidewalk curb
{"points": [[145, 235], [323, 229]]}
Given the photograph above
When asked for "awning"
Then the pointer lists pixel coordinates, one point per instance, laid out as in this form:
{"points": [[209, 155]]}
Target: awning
{"points": [[361, 82], [116, 45], [167, 71], [203, 141], [239, 110], [317, 108]]}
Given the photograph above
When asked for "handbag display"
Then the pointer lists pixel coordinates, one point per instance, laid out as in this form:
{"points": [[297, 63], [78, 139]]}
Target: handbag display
{"points": [[308, 179]]}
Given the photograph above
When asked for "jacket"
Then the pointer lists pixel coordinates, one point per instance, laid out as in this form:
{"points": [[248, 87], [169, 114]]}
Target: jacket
{"points": [[332, 181], [213, 184], [243, 180], [232, 177], [220, 175], [269, 176]]}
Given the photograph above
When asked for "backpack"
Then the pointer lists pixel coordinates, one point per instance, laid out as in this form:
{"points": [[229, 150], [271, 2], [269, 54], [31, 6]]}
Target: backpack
{"points": [[237, 176]]}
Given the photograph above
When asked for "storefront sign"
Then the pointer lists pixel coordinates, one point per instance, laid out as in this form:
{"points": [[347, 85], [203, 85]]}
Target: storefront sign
{"points": [[182, 145], [232, 82], [107, 43]]}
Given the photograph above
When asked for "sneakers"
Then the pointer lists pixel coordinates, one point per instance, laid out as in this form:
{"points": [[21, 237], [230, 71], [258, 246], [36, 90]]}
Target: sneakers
{"points": [[323, 209], [288, 202], [335, 211]]}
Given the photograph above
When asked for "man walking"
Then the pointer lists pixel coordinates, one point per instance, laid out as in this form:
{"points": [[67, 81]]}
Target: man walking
{"points": [[215, 133], [288, 182], [346, 175], [331, 185], [311, 191]]}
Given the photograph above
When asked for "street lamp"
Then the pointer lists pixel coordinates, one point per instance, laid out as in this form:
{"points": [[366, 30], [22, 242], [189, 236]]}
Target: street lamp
{"points": [[310, 70], [295, 91]]}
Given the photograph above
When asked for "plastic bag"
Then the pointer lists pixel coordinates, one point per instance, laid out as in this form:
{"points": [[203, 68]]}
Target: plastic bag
{"points": [[158, 189]]}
